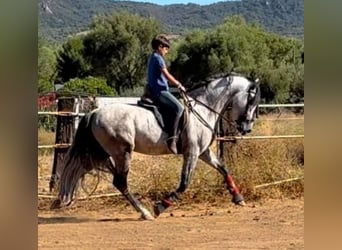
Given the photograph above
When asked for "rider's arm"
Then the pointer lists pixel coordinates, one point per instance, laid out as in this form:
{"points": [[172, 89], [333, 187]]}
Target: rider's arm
{"points": [[170, 77]]}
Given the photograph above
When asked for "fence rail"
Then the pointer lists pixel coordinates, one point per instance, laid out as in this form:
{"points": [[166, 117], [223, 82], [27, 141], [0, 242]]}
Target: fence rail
{"points": [[295, 105], [60, 113], [298, 105], [256, 137], [64, 145]]}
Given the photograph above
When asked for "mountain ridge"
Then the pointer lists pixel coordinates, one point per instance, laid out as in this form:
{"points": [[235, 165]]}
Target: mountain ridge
{"points": [[59, 19]]}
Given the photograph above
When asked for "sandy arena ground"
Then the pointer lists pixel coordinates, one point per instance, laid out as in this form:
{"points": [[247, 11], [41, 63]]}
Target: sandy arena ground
{"points": [[274, 224]]}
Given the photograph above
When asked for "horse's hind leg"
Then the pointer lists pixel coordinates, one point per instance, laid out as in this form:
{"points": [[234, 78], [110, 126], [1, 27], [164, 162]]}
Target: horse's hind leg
{"points": [[210, 158], [120, 172]]}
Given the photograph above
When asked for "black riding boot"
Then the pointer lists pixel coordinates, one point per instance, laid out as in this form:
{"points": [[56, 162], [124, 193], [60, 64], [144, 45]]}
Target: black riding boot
{"points": [[172, 141]]}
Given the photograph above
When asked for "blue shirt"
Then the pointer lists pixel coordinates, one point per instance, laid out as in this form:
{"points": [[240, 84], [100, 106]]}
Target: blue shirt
{"points": [[156, 80]]}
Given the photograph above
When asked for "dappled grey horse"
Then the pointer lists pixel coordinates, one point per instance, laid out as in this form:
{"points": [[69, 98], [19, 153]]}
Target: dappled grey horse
{"points": [[110, 134]]}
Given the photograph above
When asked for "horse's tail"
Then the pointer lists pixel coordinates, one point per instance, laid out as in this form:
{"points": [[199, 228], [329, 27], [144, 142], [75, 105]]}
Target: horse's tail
{"points": [[84, 154]]}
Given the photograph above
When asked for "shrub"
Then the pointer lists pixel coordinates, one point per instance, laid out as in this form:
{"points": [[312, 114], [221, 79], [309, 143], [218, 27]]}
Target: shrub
{"points": [[87, 86], [47, 102]]}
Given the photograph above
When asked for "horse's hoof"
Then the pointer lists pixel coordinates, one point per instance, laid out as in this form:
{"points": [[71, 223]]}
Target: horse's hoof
{"points": [[238, 200], [241, 203], [56, 204], [146, 215], [158, 208]]}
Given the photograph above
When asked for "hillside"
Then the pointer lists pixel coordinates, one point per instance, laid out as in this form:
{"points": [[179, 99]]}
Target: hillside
{"points": [[284, 17]]}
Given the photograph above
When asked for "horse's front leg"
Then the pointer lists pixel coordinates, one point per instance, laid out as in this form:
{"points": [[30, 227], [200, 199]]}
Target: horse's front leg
{"points": [[187, 170], [210, 158]]}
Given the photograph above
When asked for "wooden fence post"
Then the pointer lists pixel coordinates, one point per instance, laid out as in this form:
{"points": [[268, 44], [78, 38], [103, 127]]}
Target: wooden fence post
{"points": [[220, 146], [65, 129]]}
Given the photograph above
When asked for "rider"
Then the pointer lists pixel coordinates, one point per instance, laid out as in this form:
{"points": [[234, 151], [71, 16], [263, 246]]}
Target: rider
{"points": [[157, 82]]}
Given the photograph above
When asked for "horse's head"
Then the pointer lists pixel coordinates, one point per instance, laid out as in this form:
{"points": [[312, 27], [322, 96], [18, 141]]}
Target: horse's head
{"points": [[244, 107], [240, 95]]}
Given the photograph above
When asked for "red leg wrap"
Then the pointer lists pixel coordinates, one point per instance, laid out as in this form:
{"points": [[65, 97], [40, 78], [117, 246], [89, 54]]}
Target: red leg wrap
{"points": [[231, 185], [166, 203]]}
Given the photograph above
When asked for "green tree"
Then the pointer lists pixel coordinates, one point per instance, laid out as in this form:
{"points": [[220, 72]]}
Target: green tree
{"points": [[242, 48], [296, 94], [118, 47], [88, 86], [71, 62], [47, 63]]}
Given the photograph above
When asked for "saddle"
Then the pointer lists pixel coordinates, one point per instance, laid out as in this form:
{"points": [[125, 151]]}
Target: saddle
{"points": [[162, 115]]}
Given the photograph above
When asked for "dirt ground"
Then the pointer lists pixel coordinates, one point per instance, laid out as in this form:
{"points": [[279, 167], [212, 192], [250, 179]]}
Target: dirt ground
{"points": [[273, 224]]}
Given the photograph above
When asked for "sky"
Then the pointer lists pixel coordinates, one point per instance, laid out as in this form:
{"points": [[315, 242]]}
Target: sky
{"points": [[165, 2]]}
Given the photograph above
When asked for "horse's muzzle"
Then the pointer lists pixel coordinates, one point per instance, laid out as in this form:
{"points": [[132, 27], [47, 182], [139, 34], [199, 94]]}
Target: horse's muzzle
{"points": [[245, 127]]}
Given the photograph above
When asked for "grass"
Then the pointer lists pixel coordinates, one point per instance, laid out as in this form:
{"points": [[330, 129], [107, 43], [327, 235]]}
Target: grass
{"points": [[257, 162], [251, 162], [45, 137]]}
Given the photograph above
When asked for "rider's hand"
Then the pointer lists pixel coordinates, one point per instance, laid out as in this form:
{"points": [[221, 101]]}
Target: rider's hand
{"points": [[181, 87]]}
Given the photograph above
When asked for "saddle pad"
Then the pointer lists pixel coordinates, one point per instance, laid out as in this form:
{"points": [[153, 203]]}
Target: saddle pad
{"points": [[155, 111]]}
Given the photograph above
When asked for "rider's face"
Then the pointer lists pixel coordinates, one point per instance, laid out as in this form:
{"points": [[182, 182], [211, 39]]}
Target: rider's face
{"points": [[163, 50]]}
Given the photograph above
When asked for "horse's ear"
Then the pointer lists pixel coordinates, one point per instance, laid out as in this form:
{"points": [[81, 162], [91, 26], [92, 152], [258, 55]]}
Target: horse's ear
{"points": [[257, 81]]}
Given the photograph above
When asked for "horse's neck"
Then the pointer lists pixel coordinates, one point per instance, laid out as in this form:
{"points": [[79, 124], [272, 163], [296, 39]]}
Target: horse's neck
{"points": [[215, 99]]}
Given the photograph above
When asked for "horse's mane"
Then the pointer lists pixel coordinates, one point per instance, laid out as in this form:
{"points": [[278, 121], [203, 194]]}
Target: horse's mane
{"points": [[200, 86], [203, 84]]}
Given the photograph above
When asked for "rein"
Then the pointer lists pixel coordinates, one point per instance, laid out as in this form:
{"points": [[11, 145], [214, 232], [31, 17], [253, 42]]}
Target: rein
{"points": [[199, 117]]}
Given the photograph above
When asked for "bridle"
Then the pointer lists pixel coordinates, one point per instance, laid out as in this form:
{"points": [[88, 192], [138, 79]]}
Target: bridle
{"points": [[187, 100], [251, 100], [220, 115]]}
